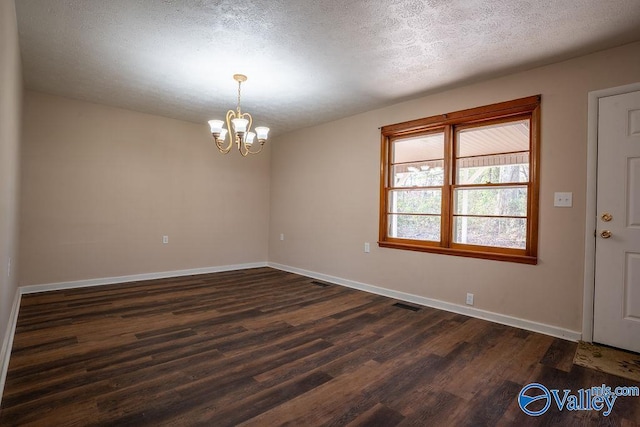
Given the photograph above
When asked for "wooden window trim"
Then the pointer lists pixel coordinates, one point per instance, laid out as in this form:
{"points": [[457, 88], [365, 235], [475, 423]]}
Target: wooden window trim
{"points": [[505, 111]]}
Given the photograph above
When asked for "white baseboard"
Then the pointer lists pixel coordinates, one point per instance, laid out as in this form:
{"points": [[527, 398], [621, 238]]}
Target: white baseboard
{"points": [[135, 278], [7, 343], [442, 305]]}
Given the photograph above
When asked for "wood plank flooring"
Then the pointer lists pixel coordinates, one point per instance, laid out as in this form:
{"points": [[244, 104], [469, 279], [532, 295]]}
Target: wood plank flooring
{"points": [[263, 347]]}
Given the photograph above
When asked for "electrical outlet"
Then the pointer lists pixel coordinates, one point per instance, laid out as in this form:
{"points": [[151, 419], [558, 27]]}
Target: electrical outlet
{"points": [[165, 239], [9, 268], [469, 299], [367, 247], [281, 236]]}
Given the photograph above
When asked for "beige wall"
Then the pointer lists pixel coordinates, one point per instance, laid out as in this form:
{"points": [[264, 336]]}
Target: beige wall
{"points": [[325, 190], [102, 185], [10, 101]]}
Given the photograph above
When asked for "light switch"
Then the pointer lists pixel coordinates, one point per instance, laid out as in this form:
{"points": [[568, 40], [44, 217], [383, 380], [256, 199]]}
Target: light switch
{"points": [[563, 200]]}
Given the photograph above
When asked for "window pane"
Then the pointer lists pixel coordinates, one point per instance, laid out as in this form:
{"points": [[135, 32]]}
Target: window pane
{"points": [[420, 174], [500, 169], [417, 148], [416, 227], [499, 201], [498, 138], [498, 232], [416, 201]]}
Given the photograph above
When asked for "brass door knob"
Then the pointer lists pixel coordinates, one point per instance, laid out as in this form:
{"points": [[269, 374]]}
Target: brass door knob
{"points": [[605, 234], [606, 217]]}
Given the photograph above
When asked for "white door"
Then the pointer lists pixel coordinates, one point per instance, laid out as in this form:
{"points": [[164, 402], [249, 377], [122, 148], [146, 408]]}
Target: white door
{"points": [[616, 319]]}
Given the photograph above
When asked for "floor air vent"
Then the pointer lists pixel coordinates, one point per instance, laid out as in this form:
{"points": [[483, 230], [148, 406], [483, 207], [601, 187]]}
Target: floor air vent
{"points": [[406, 306], [321, 284]]}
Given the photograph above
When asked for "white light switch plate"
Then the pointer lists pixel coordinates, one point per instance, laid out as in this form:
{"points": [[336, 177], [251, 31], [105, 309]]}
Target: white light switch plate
{"points": [[563, 200]]}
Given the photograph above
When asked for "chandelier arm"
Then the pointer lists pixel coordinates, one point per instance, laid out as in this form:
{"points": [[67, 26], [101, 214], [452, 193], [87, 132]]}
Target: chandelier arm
{"points": [[223, 150], [248, 117], [242, 146], [255, 152], [219, 142], [230, 132]]}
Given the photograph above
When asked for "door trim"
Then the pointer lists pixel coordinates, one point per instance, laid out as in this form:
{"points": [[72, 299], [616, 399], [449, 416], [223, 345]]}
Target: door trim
{"points": [[591, 212]]}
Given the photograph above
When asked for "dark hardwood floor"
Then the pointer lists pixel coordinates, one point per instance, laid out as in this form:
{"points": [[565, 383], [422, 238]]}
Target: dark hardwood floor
{"points": [[264, 347]]}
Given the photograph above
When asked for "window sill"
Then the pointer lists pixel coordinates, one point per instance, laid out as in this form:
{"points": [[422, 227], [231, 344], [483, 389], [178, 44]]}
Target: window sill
{"points": [[495, 256]]}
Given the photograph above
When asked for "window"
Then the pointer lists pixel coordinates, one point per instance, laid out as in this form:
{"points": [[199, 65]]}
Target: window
{"points": [[464, 183]]}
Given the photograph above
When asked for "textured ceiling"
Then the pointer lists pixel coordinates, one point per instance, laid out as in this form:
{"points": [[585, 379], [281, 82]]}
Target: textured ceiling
{"points": [[308, 61]]}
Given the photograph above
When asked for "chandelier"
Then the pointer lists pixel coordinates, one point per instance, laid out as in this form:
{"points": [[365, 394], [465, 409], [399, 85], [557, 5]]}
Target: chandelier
{"points": [[239, 126]]}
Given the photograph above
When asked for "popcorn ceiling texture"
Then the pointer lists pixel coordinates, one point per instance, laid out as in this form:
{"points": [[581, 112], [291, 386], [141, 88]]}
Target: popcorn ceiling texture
{"points": [[307, 61]]}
